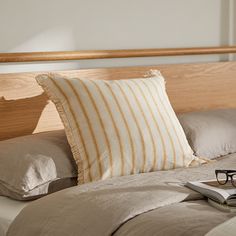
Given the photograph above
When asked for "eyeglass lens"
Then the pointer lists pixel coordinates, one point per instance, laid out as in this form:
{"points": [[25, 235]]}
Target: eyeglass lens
{"points": [[222, 178], [233, 180]]}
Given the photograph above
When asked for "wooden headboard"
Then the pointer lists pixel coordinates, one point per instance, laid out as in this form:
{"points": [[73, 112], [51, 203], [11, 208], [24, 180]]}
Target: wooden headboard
{"points": [[25, 109]]}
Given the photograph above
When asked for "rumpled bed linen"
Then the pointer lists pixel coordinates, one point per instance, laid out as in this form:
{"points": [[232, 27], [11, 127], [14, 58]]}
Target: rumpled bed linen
{"points": [[155, 203]]}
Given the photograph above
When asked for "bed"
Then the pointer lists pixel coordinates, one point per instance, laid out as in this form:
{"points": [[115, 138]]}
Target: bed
{"points": [[153, 203], [9, 210]]}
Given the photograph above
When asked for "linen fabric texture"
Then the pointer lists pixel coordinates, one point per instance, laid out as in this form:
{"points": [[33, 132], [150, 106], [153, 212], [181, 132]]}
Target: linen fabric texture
{"points": [[118, 127], [35, 165], [211, 134]]}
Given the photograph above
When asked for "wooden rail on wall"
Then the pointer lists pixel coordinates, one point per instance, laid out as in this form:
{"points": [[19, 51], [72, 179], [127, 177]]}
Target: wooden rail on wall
{"points": [[105, 54]]}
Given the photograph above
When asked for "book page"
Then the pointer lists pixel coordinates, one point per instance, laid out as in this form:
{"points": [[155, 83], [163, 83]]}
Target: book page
{"points": [[212, 189], [228, 187]]}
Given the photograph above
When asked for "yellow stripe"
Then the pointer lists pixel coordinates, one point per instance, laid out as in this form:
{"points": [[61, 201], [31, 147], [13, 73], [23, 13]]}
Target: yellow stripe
{"points": [[77, 126], [89, 125], [114, 124], [136, 122], [102, 125], [127, 128], [174, 128], [155, 122], [166, 127], [147, 124], [172, 142]]}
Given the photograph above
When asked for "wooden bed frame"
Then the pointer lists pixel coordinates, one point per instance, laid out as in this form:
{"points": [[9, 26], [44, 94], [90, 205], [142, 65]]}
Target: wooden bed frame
{"points": [[25, 109]]}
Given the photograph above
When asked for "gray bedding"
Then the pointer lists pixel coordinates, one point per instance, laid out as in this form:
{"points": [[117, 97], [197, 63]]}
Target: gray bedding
{"points": [[184, 218], [9, 209], [145, 204]]}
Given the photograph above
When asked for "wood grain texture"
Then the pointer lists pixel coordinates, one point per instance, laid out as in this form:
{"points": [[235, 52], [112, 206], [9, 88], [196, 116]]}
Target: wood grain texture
{"points": [[105, 54], [25, 109]]}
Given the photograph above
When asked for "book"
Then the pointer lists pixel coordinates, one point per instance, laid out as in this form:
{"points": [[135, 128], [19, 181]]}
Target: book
{"points": [[223, 194], [221, 207]]}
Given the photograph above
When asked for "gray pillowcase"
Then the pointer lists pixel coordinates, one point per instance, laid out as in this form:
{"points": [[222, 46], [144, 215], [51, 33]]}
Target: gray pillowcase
{"points": [[35, 165], [211, 134]]}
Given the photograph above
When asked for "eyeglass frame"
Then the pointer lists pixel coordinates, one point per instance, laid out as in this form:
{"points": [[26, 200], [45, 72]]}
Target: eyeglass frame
{"points": [[228, 174]]}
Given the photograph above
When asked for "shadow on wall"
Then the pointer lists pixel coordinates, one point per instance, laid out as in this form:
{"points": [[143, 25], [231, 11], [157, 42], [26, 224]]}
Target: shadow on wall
{"points": [[234, 26], [20, 117], [42, 21], [57, 25], [225, 26], [228, 26], [68, 26]]}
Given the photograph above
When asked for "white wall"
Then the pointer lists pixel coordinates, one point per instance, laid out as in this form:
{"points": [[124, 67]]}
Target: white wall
{"points": [[52, 25]]}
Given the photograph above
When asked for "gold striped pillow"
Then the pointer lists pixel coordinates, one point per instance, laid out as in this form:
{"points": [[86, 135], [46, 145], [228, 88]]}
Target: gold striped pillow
{"points": [[118, 127]]}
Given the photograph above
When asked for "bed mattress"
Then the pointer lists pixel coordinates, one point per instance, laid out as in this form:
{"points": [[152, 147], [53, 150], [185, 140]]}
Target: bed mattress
{"points": [[9, 209]]}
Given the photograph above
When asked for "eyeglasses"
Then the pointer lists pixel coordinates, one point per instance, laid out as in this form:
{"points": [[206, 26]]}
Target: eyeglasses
{"points": [[223, 176]]}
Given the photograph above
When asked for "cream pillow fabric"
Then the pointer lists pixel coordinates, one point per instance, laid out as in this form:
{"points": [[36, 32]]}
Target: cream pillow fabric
{"points": [[118, 127]]}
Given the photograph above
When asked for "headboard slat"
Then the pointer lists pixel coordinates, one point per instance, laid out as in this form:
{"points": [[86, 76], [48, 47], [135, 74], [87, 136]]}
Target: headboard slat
{"points": [[25, 109]]}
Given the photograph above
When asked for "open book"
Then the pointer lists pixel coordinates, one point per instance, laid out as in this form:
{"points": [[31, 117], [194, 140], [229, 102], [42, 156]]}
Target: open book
{"points": [[224, 194], [222, 207]]}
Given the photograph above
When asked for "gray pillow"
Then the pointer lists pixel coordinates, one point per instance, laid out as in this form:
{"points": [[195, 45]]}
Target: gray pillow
{"points": [[35, 165], [211, 134]]}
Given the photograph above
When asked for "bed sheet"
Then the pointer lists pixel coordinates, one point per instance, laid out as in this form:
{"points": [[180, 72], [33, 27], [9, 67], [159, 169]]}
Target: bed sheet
{"points": [[9, 209]]}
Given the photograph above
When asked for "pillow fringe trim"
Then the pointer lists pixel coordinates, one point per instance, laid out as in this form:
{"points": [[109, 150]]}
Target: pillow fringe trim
{"points": [[75, 151]]}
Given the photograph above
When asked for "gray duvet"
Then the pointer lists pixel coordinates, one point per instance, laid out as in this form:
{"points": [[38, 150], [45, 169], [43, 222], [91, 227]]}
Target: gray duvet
{"points": [[145, 204]]}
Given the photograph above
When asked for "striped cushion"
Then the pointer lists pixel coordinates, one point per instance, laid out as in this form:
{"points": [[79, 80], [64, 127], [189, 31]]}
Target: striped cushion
{"points": [[118, 127]]}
